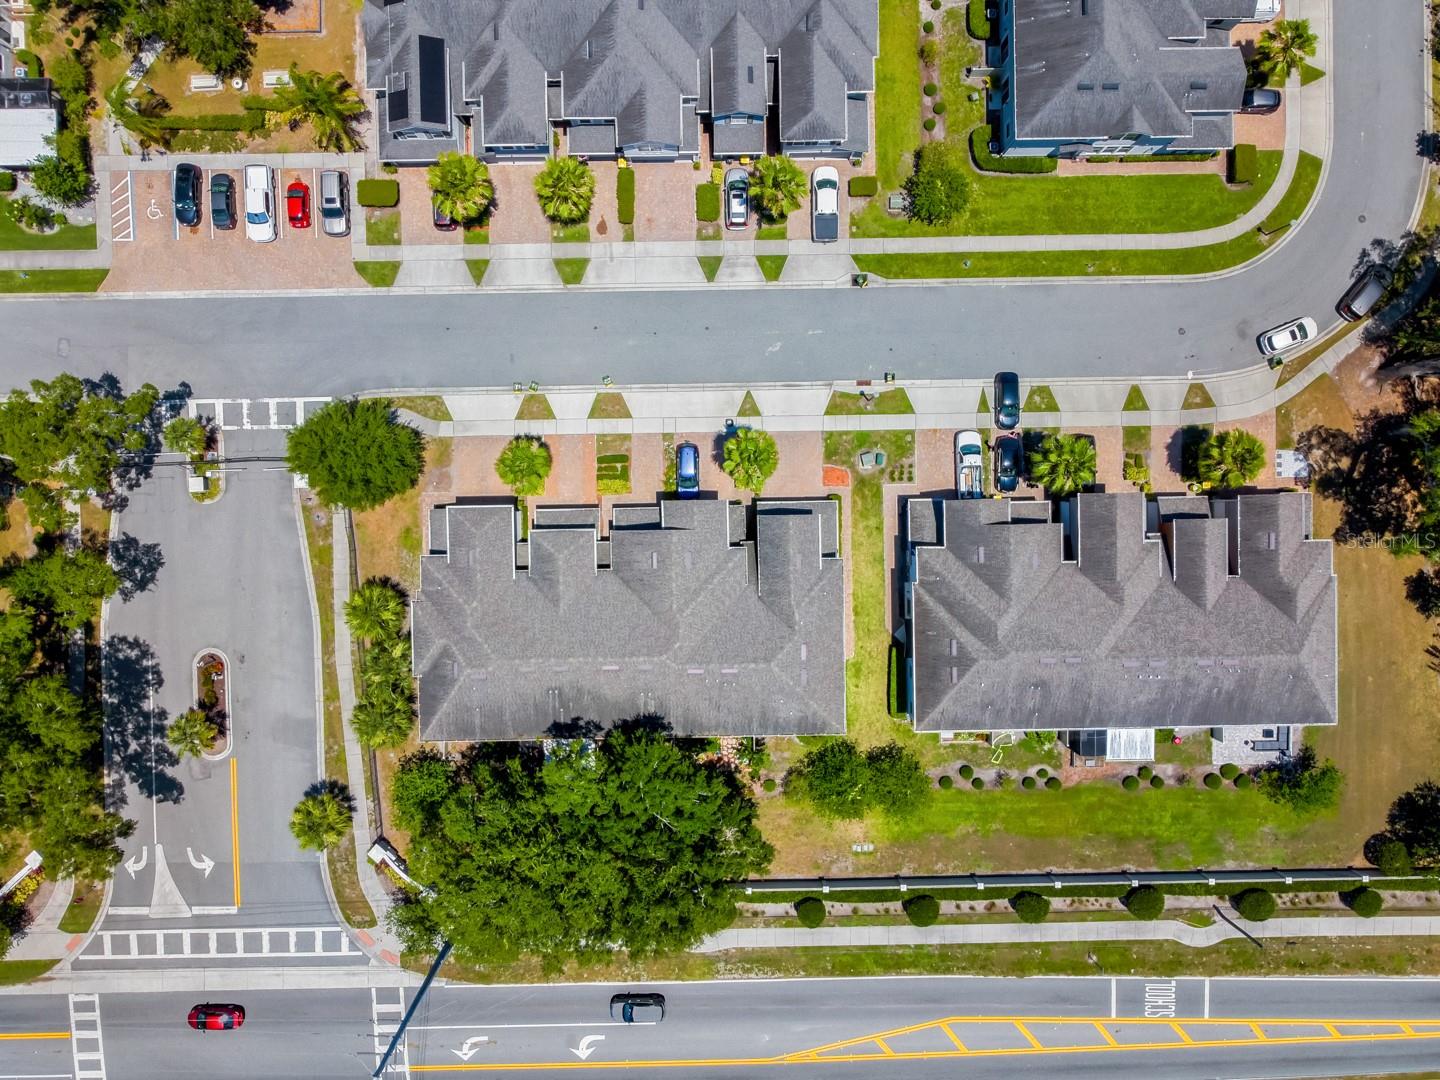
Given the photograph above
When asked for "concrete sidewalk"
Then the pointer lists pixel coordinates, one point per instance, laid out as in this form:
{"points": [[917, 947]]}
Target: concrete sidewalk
{"points": [[43, 939], [1198, 937]]}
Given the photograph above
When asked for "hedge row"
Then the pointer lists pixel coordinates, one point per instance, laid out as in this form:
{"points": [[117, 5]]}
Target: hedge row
{"points": [[251, 121], [976, 20], [1098, 159], [864, 187], [897, 674], [1244, 164], [377, 192], [625, 195], [980, 151], [7, 181], [261, 103], [707, 202]]}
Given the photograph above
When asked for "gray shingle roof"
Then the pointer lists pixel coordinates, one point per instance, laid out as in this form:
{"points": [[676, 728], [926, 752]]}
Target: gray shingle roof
{"points": [[634, 60], [1226, 616], [718, 636], [1107, 67]]}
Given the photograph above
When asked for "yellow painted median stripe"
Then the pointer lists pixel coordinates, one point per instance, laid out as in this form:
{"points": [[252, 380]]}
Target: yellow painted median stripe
{"points": [[953, 1038], [235, 830], [1181, 1032], [1105, 1034], [1028, 1037], [16, 1035]]}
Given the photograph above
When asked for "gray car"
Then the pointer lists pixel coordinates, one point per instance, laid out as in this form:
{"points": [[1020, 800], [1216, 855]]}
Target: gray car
{"points": [[334, 204], [737, 198]]}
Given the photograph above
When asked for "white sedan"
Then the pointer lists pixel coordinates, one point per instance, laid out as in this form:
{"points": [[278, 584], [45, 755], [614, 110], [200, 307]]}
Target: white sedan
{"points": [[259, 203], [825, 205], [1287, 336]]}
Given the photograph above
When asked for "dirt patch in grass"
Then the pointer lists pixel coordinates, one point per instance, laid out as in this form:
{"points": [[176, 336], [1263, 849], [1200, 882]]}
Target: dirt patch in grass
{"points": [[388, 538], [1197, 396], [535, 407], [431, 407], [888, 403], [1319, 405], [1041, 399]]}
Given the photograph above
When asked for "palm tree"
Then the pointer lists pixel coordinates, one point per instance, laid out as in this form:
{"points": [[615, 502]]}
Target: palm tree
{"points": [[1284, 47], [525, 462], [327, 103], [139, 116], [376, 610], [565, 188], [1231, 459], [777, 187], [751, 456], [192, 733], [321, 820], [460, 186], [1064, 464], [384, 722], [187, 436]]}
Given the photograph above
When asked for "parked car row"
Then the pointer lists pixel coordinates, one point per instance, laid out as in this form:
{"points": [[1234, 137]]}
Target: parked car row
{"points": [[259, 201], [1008, 448], [824, 202]]}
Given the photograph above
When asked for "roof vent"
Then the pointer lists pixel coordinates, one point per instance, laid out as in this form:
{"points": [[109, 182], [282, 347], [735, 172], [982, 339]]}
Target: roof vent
{"points": [[750, 74], [1085, 86], [1199, 84], [1272, 541], [979, 553], [495, 30], [589, 50], [1110, 86]]}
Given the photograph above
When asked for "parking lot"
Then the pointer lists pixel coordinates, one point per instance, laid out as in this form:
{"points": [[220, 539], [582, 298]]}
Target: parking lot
{"points": [[154, 253]]}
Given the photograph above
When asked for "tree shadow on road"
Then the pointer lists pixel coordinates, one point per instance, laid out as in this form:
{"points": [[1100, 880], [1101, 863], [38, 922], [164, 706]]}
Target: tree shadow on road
{"points": [[135, 746], [136, 563]]}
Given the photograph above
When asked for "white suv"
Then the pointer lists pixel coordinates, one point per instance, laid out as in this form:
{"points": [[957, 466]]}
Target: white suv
{"points": [[260, 203]]}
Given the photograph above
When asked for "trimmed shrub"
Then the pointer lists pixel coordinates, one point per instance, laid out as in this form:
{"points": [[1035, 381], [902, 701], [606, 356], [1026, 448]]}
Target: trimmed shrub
{"points": [[978, 783], [976, 21], [7, 181], [930, 89], [864, 186], [1393, 858], [811, 911], [929, 124], [928, 26], [1244, 164], [1157, 781], [768, 784], [34, 66], [946, 782], [1052, 783], [922, 910], [1243, 781], [1229, 771], [377, 192], [1363, 902], [934, 5], [251, 121], [707, 202], [1030, 906], [1042, 772], [1131, 783], [1257, 905], [1028, 783], [898, 704], [980, 151], [1144, 902], [938, 108], [1144, 772], [625, 196], [967, 771], [1213, 781]]}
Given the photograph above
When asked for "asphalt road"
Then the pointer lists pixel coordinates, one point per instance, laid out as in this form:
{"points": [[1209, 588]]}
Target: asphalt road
{"points": [[746, 1029], [274, 346], [230, 576]]}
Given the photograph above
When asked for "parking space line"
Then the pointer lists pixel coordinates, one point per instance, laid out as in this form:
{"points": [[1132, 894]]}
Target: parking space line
{"points": [[125, 201], [235, 830]]}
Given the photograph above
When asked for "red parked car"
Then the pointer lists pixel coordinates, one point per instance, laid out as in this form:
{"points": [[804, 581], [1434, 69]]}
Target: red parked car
{"points": [[217, 1017], [297, 205]]}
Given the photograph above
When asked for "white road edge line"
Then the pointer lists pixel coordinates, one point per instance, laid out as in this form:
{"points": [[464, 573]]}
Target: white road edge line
{"points": [[1207, 998], [1113, 1013]]}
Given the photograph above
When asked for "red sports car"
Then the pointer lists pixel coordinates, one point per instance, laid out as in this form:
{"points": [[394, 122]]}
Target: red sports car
{"points": [[297, 205], [216, 1017]]}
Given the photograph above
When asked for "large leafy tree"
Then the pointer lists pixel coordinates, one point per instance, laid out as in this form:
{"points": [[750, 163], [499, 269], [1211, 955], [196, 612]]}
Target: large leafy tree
{"points": [[62, 180], [1283, 48], [751, 457], [320, 820], [1231, 459], [776, 187], [1064, 464], [1414, 820], [216, 34], [565, 188], [840, 781], [65, 587], [523, 466], [460, 185], [327, 103], [1304, 783], [356, 454], [938, 190], [631, 845]]}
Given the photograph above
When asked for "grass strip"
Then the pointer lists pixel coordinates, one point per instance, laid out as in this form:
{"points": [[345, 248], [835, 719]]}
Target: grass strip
{"points": [[710, 265], [771, 265], [477, 268], [48, 281], [571, 271], [380, 275], [431, 406]]}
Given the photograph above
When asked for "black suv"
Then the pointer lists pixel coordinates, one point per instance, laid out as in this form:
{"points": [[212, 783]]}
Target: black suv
{"points": [[222, 200], [1009, 463], [187, 194], [1007, 400]]}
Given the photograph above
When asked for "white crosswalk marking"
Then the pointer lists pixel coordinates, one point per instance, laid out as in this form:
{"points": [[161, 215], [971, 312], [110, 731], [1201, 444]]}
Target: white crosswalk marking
{"points": [[255, 414], [387, 1008], [222, 944], [85, 1040]]}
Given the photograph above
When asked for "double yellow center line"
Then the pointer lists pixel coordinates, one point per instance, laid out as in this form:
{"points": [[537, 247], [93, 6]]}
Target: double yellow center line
{"points": [[235, 830]]}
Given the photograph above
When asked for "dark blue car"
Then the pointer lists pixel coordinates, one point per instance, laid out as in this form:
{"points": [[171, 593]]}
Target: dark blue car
{"points": [[1007, 400], [687, 470], [1009, 463]]}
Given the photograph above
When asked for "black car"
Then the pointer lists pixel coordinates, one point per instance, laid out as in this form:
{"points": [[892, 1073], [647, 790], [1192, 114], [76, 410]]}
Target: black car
{"points": [[1260, 99], [1007, 400], [1364, 293], [222, 201], [1009, 463], [638, 1008], [187, 194], [441, 220]]}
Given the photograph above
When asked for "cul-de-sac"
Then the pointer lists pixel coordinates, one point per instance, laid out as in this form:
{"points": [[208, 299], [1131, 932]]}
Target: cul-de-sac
{"points": [[719, 538]]}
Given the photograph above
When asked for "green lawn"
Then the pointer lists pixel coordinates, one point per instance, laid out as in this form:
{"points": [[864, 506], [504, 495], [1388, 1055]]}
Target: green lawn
{"points": [[571, 234], [1297, 195], [535, 407], [44, 281], [477, 234], [379, 274], [1135, 400], [382, 227], [771, 232], [748, 407], [431, 406], [609, 407], [897, 93], [65, 238], [710, 265], [15, 972], [1197, 396], [571, 271], [1137, 439], [1309, 73], [771, 266], [477, 268], [1041, 399], [79, 917], [888, 402]]}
